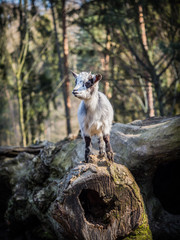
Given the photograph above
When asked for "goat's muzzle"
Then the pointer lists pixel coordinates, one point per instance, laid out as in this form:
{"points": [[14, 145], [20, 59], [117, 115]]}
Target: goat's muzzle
{"points": [[74, 92]]}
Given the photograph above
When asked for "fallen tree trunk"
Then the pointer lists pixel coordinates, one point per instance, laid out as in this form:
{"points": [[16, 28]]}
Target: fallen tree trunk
{"points": [[150, 149], [99, 200], [7, 151], [13, 151]]}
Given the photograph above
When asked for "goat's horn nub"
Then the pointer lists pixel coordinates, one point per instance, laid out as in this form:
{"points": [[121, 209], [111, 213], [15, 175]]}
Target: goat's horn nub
{"points": [[74, 74]]}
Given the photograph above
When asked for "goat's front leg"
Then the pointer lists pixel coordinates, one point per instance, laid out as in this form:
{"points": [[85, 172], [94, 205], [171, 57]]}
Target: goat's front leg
{"points": [[87, 147], [109, 151]]}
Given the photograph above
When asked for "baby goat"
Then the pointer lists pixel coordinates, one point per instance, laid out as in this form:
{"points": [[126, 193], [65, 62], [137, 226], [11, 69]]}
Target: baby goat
{"points": [[95, 113]]}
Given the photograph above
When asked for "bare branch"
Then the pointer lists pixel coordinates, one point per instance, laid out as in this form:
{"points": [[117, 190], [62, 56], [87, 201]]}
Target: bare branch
{"points": [[167, 66], [133, 51]]}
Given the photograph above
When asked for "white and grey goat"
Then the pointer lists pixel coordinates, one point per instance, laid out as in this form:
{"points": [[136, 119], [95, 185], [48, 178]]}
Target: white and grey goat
{"points": [[95, 113]]}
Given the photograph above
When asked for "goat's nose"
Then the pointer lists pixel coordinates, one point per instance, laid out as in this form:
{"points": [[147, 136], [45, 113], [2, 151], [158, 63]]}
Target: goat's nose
{"points": [[74, 91]]}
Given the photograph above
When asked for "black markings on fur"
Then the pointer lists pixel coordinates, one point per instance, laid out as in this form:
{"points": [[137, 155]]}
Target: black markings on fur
{"points": [[87, 147], [91, 80], [107, 142], [109, 151], [89, 83]]}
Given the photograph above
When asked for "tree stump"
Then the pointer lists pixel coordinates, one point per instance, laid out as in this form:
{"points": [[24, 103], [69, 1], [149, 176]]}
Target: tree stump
{"points": [[100, 200]]}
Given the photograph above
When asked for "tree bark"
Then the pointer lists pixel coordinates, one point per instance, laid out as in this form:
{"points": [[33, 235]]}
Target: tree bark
{"points": [[57, 41], [66, 87], [97, 200], [101, 200], [106, 64], [14, 151], [144, 41], [63, 73], [19, 73]]}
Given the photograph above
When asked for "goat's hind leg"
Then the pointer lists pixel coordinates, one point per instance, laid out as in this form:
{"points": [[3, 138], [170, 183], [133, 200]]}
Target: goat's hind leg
{"points": [[101, 147], [87, 147], [109, 151]]}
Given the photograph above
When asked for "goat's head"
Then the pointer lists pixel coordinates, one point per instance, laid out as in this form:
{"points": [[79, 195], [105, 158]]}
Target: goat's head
{"points": [[86, 84]]}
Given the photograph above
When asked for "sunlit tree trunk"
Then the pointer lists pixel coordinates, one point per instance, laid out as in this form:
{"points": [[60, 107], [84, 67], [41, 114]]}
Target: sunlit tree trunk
{"points": [[57, 41], [66, 85], [23, 52], [148, 83], [21, 111], [63, 74], [106, 64], [32, 121]]}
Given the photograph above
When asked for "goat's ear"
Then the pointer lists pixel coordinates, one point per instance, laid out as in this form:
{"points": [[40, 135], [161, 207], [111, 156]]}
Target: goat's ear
{"points": [[74, 74], [98, 77]]}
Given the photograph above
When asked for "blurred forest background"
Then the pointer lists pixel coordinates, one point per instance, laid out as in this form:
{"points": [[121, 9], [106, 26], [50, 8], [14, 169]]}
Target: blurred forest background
{"points": [[133, 44]]}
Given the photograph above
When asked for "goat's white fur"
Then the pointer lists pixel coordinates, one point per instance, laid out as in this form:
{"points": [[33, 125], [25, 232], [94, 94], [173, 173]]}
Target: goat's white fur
{"points": [[95, 113]]}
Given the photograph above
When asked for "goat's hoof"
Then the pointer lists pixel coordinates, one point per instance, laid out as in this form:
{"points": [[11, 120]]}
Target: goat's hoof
{"points": [[101, 154], [110, 156], [88, 158]]}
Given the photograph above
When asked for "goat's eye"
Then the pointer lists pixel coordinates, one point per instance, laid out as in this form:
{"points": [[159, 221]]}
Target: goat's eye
{"points": [[88, 84], [91, 80]]}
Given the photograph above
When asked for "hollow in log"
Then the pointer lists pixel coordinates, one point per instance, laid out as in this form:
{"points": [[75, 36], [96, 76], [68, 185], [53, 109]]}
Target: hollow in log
{"points": [[100, 200]]}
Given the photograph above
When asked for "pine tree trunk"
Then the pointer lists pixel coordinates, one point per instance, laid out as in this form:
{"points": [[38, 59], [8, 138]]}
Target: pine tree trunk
{"points": [[106, 65], [66, 85], [148, 83], [19, 75], [21, 111], [57, 41], [63, 73]]}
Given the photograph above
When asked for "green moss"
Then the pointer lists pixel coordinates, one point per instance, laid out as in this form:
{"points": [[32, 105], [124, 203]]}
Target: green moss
{"points": [[124, 180], [117, 175], [143, 232]]}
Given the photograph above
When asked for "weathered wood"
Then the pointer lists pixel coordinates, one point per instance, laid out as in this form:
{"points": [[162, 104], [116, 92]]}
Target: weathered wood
{"points": [[57, 188], [97, 200], [12, 151], [100, 200], [150, 149]]}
